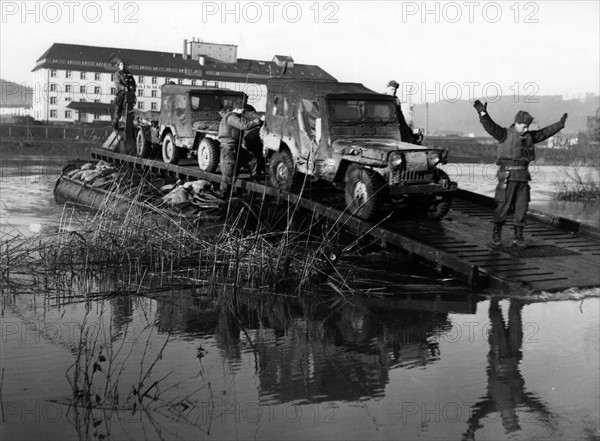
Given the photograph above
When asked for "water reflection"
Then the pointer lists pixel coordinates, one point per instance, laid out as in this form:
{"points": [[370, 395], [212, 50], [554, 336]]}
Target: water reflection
{"points": [[220, 357], [506, 393]]}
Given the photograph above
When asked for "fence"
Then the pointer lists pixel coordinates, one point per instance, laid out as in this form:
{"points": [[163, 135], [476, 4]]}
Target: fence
{"points": [[53, 132]]}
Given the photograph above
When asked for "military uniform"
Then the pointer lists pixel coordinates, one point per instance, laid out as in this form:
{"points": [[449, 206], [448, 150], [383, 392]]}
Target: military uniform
{"points": [[230, 137], [126, 87], [515, 152]]}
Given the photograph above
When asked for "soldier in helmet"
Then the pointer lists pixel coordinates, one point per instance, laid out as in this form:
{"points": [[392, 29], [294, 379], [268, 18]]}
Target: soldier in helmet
{"points": [[406, 133], [516, 149], [126, 88]]}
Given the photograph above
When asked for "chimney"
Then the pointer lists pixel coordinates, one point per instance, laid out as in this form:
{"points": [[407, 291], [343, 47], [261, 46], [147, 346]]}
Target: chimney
{"points": [[185, 45]]}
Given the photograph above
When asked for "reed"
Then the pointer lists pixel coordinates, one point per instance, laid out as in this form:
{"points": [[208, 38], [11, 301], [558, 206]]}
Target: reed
{"points": [[578, 185]]}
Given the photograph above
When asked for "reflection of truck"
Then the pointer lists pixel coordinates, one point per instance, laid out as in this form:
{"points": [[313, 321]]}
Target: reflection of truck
{"points": [[347, 134], [187, 124]]}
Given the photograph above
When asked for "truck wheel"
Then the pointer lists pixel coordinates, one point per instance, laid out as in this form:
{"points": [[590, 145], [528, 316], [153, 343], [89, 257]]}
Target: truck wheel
{"points": [[437, 207], [170, 152], [363, 192], [282, 171], [208, 155], [143, 144]]}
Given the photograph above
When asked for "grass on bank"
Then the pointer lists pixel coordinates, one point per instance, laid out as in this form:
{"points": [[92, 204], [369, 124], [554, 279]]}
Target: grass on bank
{"points": [[579, 184]]}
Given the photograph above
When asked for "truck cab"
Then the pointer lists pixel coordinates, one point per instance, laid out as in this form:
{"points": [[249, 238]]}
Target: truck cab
{"points": [[348, 135]]}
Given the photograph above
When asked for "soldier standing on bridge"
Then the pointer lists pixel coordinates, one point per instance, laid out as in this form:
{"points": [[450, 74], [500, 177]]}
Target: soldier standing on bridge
{"points": [[230, 136], [515, 151], [406, 133], [126, 87]]}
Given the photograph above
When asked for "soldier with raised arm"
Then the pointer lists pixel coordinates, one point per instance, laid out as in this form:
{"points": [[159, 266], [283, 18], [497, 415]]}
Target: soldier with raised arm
{"points": [[516, 150]]}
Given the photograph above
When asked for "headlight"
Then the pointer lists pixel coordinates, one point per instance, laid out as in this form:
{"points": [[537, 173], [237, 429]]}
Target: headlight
{"points": [[396, 159], [433, 158]]}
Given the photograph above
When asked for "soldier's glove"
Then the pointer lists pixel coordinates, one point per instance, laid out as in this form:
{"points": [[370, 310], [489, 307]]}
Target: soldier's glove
{"points": [[563, 120], [480, 107]]}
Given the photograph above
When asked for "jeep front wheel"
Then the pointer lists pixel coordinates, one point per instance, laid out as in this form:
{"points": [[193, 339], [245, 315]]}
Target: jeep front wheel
{"points": [[363, 192], [170, 152], [208, 155], [282, 171], [143, 144]]}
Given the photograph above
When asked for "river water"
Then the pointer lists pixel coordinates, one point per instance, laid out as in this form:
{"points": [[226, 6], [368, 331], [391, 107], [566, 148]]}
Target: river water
{"points": [[188, 364]]}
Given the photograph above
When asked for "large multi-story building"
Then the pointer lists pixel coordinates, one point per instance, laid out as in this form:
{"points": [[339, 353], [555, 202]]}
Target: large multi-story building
{"points": [[76, 83]]}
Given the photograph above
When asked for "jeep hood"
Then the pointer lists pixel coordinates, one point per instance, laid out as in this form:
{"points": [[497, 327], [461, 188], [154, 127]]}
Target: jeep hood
{"points": [[354, 146]]}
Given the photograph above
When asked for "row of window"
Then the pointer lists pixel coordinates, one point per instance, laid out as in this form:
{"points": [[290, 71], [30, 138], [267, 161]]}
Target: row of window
{"points": [[69, 114], [140, 79]]}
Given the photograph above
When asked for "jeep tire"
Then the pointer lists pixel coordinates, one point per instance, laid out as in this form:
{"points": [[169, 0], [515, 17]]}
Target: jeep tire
{"points": [[363, 192], [208, 155], [170, 152], [143, 144], [282, 172]]}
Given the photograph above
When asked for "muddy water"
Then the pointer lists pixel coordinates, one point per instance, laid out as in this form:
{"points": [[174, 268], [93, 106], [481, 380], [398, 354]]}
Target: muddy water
{"points": [[187, 365]]}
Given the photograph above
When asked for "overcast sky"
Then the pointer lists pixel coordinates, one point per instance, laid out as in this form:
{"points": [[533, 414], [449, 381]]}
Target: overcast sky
{"points": [[435, 50]]}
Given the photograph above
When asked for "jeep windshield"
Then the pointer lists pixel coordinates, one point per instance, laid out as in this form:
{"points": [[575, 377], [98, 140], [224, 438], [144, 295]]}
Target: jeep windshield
{"points": [[361, 111], [211, 102]]}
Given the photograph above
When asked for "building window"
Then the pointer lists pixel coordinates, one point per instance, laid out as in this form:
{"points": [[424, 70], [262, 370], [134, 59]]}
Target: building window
{"points": [[140, 80], [68, 74], [82, 89], [53, 113], [97, 90], [52, 87], [52, 100], [112, 77], [96, 116], [140, 105], [167, 80], [82, 75], [82, 100], [154, 93], [180, 81], [68, 99], [193, 82], [97, 76], [153, 106], [68, 88], [140, 92], [67, 114], [154, 80], [53, 73]]}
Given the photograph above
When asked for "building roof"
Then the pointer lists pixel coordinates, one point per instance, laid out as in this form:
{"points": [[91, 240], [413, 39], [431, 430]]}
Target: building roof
{"points": [[168, 64]]}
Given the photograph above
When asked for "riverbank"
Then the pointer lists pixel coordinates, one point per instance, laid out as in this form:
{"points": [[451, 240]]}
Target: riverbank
{"points": [[66, 148]]}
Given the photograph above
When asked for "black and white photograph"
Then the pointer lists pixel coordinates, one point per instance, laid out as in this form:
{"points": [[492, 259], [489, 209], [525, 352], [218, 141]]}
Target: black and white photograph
{"points": [[299, 220]]}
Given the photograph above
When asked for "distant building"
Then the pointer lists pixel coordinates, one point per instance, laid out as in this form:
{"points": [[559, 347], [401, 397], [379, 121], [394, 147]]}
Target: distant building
{"points": [[15, 109], [75, 82]]}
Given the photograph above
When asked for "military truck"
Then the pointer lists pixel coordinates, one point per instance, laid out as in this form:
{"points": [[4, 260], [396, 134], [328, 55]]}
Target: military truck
{"points": [[187, 124], [348, 135]]}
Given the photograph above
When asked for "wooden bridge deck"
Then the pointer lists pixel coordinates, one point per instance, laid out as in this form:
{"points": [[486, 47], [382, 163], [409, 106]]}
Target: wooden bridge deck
{"points": [[562, 254]]}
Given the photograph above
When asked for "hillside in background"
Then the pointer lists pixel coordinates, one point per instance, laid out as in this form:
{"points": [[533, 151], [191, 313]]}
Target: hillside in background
{"points": [[14, 94], [461, 116]]}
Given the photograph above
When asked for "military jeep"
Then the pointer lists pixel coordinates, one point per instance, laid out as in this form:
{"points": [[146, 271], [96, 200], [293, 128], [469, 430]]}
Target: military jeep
{"points": [[348, 135], [187, 124]]}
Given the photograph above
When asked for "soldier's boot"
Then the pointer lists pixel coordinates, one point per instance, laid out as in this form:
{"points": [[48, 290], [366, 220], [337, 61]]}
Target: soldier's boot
{"points": [[497, 235], [518, 239]]}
